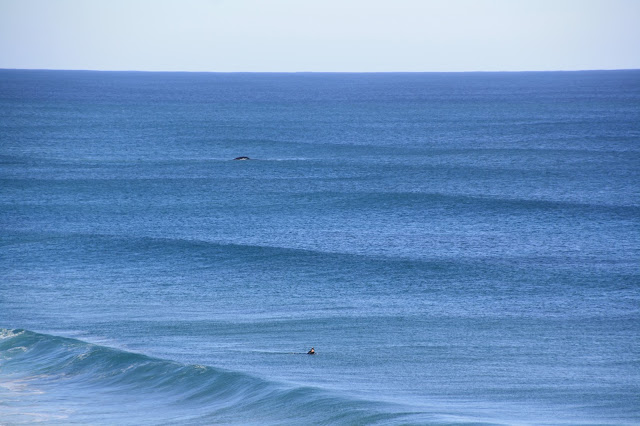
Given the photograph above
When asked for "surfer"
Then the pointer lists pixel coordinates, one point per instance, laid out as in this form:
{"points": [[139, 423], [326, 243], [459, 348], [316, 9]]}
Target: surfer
{"points": [[311, 352]]}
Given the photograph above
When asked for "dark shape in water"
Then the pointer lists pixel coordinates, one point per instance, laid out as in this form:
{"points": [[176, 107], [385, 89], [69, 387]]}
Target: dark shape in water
{"points": [[311, 352], [242, 158]]}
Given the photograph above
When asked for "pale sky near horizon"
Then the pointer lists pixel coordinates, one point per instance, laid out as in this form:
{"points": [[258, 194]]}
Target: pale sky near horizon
{"points": [[327, 35]]}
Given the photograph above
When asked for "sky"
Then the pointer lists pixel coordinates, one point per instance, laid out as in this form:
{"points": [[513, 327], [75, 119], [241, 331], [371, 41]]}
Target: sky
{"points": [[320, 35]]}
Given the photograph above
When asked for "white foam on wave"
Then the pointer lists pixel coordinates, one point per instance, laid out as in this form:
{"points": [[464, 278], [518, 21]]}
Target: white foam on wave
{"points": [[6, 333], [23, 385]]}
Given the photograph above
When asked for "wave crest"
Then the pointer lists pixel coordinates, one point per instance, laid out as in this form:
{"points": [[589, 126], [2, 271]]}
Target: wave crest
{"points": [[95, 383]]}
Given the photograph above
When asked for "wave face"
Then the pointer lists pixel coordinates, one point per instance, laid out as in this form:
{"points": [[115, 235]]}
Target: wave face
{"points": [[62, 380]]}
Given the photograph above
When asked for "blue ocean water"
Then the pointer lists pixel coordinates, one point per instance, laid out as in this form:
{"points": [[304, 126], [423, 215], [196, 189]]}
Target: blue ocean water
{"points": [[458, 248]]}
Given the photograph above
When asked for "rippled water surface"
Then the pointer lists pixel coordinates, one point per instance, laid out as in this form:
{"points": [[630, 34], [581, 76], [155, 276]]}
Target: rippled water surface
{"points": [[458, 248]]}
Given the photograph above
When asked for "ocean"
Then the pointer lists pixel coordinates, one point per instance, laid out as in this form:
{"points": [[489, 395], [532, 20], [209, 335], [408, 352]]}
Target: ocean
{"points": [[459, 248]]}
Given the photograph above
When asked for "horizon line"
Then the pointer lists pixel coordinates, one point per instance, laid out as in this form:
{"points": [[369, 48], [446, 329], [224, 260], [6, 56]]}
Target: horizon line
{"points": [[315, 72]]}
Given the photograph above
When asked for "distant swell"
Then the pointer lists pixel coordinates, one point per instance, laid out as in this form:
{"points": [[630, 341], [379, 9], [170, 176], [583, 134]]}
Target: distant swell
{"points": [[92, 382]]}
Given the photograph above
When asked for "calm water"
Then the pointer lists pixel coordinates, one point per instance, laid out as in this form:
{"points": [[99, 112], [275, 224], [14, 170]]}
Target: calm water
{"points": [[458, 248]]}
